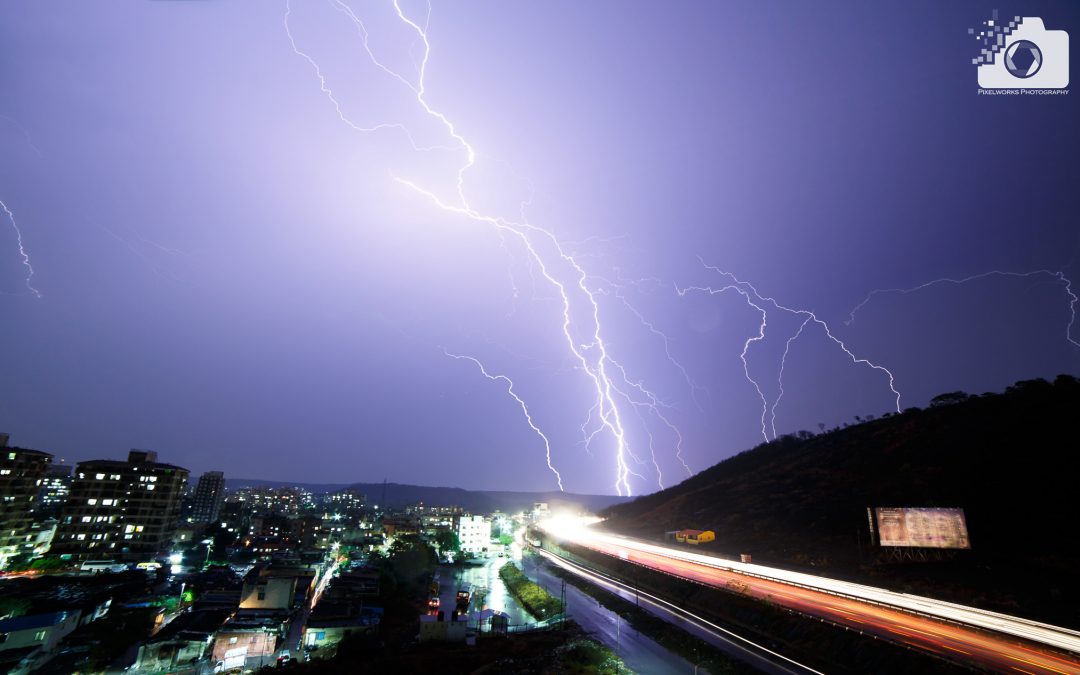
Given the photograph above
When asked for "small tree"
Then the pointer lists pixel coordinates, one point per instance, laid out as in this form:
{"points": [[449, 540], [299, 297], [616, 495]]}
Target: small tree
{"points": [[447, 542]]}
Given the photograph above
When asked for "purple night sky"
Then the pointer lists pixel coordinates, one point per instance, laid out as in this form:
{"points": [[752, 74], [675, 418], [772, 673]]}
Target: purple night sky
{"points": [[232, 275]]}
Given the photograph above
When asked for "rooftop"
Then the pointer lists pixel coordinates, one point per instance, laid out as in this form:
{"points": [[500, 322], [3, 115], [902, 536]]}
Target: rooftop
{"points": [[32, 621]]}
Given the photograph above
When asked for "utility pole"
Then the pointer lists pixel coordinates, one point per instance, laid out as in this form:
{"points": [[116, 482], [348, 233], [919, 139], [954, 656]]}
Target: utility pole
{"points": [[562, 598]]}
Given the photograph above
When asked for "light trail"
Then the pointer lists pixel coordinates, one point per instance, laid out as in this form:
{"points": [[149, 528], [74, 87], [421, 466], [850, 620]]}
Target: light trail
{"points": [[751, 650], [22, 251], [524, 409], [932, 624], [1057, 276]]}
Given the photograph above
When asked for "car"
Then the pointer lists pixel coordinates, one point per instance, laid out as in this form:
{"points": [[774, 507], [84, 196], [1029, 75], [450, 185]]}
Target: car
{"points": [[284, 657], [433, 602]]}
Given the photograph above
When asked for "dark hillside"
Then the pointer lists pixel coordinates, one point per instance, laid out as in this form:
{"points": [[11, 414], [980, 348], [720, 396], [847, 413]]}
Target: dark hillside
{"points": [[1009, 460]]}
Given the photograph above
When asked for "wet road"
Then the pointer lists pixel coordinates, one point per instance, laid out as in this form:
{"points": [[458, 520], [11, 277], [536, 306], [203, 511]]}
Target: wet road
{"points": [[484, 577], [640, 652]]}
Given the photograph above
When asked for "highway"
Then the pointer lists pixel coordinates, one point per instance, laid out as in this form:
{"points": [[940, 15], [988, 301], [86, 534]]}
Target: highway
{"points": [[604, 623], [948, 630], [638, 651]]}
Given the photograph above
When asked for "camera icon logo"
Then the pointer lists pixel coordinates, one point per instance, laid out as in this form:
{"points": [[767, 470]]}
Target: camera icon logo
{"points": [[1023, 53]]}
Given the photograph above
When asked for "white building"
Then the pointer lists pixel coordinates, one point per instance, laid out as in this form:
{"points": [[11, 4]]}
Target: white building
{"points": [[474, 533]]}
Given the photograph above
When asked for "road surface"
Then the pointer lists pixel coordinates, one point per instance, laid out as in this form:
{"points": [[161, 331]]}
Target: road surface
{"points": [[870, 610], [638, 651]]}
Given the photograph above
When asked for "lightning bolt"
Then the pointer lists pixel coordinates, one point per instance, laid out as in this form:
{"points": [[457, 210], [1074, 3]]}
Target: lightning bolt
{"points": [[693, 386], [520, 402], [325, 88], [1057, 276], [22, 251], [586, 344], [759, 302], [780, 379]]}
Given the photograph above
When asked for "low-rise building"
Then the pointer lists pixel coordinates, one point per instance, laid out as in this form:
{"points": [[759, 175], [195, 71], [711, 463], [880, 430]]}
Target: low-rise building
{"points": [[185, 640], [40, 631], [694, 537], [276, 588], [250, 634], [437, 628]]}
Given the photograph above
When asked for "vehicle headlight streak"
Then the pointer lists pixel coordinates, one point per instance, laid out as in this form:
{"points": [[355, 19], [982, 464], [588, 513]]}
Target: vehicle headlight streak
{"points": [[579, 531]]}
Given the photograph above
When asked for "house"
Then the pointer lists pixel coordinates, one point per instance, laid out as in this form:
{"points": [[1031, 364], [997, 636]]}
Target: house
{"points": [[349, 607], [183, 641], [250, 633], [694, 537], [435, 628], [332, 621], [278, 588], [40, 631]]}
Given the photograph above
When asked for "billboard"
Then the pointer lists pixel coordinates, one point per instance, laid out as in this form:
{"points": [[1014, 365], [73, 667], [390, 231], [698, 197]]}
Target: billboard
{"points": [[922, 528]]}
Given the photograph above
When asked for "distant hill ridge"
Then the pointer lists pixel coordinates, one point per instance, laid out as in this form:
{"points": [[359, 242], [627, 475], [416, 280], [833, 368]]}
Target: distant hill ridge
{"points": [[1009, 460], [481, 501]]}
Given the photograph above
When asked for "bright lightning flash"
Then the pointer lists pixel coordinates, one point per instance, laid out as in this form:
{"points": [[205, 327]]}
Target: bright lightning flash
{"points": [[584, 338]]}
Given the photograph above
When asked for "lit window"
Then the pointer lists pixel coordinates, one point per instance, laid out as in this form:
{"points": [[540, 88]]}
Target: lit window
{"points": [[99, 476], [92, 501]]}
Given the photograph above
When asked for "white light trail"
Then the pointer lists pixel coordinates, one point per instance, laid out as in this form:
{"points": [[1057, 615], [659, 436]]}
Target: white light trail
{"points": [[22, 251], [578, 531]]}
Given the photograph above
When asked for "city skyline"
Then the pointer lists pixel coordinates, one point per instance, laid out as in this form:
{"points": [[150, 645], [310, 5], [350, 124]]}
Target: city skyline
{"points": [[211, 251]]}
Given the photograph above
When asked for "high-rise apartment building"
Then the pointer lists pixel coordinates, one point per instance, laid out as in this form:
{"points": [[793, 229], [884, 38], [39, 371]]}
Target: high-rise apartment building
{"points": [[121, 509], [55, 487], [21, 471], [209, 496]]}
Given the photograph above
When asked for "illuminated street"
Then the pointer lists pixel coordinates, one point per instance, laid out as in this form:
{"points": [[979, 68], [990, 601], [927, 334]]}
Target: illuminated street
{"points": [[870, 610]]}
